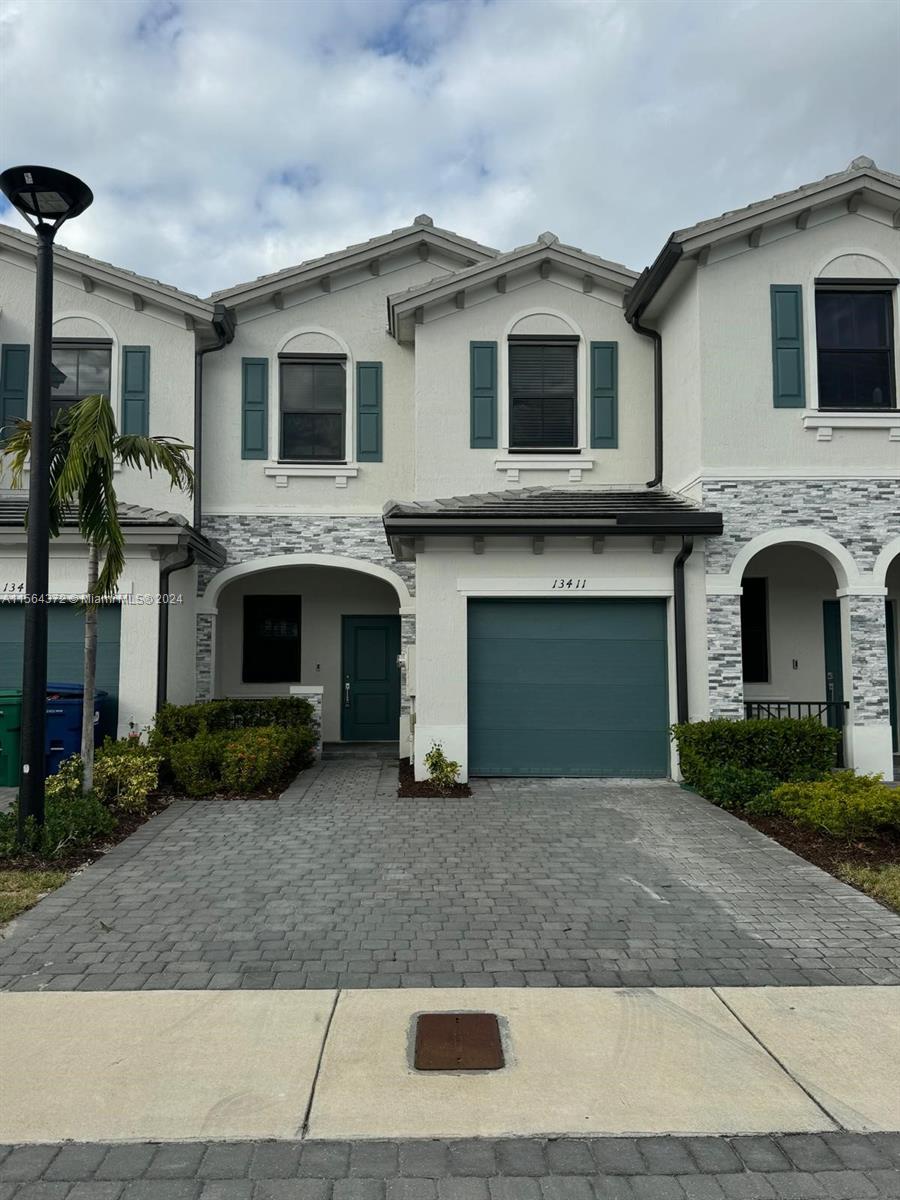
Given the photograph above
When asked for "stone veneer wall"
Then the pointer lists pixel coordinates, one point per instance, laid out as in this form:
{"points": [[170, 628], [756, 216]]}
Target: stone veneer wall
{"points": [[249, 536], [863, 515]]}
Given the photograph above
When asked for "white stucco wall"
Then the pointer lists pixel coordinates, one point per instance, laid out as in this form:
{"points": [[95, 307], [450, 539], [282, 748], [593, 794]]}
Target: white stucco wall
{"points": [[327, 594], [110, 313], [679, 325], [447, 465], [350, 319], [182, 636], [742, 431], [448, 574]]}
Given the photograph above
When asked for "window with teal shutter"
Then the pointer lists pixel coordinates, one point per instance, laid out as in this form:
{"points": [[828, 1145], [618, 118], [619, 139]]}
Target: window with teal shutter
{"points": [[789, 390], [483, 395], [604, 395], [136, 390], [254, 407], [368, 412], [13, 386]]}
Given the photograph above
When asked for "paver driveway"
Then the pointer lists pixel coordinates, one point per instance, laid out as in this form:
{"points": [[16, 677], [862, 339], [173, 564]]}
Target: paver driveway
{"points": [[532, 882]]}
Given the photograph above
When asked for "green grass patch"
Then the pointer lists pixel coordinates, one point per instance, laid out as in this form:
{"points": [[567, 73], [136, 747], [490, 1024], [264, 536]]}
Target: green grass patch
{"points": [[881, 883], [21, 889]]}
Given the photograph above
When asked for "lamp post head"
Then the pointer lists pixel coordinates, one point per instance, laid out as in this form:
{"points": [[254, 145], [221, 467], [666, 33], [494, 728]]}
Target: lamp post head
{"points": [[44, 196]]}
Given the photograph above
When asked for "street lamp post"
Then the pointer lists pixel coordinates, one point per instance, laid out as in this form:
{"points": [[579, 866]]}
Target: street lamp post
{"points": [[45, 198]]}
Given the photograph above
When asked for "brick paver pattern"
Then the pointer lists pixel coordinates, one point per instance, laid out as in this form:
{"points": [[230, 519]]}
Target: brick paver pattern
{"points": [[528, 883], [837, 1166]]}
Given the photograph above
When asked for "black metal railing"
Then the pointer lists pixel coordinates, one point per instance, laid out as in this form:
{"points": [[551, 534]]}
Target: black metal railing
{"points": [[829, 712]]}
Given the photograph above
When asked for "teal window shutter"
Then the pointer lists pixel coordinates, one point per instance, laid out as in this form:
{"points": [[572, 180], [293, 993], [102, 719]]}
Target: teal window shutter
{"points": [[787, 346], [13, 386], [254, 407], [368, 412], [136, 390], [483, 403], [604, 395]]}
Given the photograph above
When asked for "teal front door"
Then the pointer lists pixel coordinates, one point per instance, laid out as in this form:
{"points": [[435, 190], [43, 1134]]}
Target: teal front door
{"points": [[568, 687], [834, 669], [370, 695]]}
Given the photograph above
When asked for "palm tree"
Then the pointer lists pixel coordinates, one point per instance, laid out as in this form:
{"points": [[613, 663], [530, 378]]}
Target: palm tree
{"points": [[85, 446]]}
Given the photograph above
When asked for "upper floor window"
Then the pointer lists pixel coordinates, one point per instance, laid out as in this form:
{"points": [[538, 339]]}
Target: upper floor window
{"points": [[313, 407], [854, 340], [80, 368], [543, 411]]}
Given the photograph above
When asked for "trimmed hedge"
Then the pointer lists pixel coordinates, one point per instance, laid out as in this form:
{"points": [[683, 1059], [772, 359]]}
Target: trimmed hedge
{"points": [[844, 805], [176, 722], [737, 764], [240, 760]]}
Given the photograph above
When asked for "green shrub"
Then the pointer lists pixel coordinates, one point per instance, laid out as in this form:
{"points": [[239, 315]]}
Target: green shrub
{"points": [[442, 771], [66, 783], [178, 722], [845, 805], [736, 787], [787, 749], [125, 773], [69, 824], [196, 763], [257, 759]]}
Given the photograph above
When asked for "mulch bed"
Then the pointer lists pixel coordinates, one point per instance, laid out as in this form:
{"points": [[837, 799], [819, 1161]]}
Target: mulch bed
{"points": [[423, 788], [825, 851]]}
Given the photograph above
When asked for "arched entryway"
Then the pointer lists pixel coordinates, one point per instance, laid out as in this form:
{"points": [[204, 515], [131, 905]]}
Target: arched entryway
{"points": [[317, 623]]}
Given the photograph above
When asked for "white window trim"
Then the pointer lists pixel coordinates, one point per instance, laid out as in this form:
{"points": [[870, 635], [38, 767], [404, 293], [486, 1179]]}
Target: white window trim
{"points": [[524, 461], [341, 471], [115, 358], [825, 420]]}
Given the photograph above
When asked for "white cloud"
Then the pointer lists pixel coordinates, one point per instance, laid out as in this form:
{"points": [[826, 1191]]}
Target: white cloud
{"points": [[224, 140]]}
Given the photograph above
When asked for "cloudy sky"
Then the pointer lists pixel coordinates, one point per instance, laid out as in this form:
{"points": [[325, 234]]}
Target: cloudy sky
{"points": [[227, 138]]}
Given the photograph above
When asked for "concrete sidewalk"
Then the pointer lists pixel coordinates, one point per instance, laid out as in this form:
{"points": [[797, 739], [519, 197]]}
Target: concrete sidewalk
{"points": [[208, 1066]]}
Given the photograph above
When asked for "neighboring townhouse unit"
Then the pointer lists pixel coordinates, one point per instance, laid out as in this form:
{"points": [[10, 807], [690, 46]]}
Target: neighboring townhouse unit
{"points": [[529, 505]]}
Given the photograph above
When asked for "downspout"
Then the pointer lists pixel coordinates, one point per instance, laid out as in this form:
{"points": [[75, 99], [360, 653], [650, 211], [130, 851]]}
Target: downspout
{"points": [[162, 645], [681, 682], [223, 324], [656, 338]]}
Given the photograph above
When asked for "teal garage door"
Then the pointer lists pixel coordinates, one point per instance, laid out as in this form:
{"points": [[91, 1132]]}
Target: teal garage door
{"points": [[65, 649], [568, 687]]}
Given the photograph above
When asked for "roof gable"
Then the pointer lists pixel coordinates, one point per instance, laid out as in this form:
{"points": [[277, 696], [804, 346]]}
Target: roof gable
{"points": [[405, 309], [422, 234]]}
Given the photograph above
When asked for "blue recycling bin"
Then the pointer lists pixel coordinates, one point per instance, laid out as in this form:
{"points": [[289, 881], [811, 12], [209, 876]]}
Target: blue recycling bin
{"points": [[64, 708]]}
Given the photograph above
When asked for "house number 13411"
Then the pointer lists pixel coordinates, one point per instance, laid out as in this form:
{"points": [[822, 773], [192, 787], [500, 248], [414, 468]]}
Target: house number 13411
{"points": [[569, 585]]}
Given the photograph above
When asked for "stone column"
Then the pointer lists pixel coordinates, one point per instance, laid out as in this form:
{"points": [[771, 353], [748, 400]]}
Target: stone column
{"points": [[407, 682], [864, 652], [723, 638], [206, 655]]}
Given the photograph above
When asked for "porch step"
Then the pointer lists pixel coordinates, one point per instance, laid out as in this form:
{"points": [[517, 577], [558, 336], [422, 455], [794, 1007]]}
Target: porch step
{"points": [[389, 751]]}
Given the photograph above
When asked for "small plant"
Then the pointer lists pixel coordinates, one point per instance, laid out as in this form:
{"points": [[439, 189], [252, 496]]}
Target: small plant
{"points": [[442, 771], [125, 773], [66, 783], [843, 806]]}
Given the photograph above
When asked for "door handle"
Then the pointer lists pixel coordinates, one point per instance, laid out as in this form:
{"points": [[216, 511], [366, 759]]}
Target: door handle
{"points": [[347, 694]]}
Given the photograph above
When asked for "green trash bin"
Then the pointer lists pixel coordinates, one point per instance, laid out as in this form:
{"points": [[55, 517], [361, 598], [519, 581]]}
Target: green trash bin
{"points": [[10, 735]]}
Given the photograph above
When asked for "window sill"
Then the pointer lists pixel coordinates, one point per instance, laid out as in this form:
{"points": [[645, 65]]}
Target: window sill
{"points": [[824, 421], [339, 472], [513, 463]]}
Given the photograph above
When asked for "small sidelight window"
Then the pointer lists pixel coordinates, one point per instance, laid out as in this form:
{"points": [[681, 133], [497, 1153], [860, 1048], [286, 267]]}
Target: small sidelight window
{"points": [[313, 399], [542, 394], [271, 639], [755, 631], [854, 336], [80, 368]]}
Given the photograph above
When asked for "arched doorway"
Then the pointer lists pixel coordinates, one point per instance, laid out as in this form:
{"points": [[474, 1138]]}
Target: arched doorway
{"points": [[336, 627]]}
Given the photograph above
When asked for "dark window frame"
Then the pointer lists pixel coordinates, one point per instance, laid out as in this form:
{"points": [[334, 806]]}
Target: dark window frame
{"points": [[60, 404], [545, 447], [755, 650], [287, 360], [250, 640], [859, 287]]}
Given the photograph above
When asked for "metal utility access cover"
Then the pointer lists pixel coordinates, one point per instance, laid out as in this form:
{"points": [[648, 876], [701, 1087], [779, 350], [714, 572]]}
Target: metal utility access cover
{"points": [[458, 1042]]}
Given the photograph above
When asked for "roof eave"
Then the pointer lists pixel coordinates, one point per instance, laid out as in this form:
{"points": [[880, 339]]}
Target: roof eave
{"points": [[631, 525]]}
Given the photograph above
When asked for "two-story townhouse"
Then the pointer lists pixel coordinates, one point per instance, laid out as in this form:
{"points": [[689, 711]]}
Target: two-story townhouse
{"points": [[136, 340], [536, 507]]}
